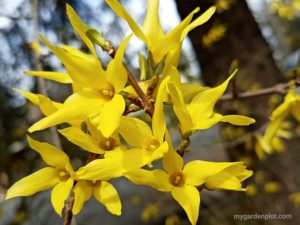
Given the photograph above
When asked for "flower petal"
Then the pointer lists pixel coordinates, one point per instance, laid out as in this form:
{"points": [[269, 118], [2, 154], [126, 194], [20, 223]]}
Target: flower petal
{"points": [[83, 191], [152, 27], [105, 193], [121, 12], [101, 169], [170, 41], [238, 120], [63, 78], [158, 121], [50, 154], [202, 105], [116, 73], [135, 131], [45, 104], [41, 180], [80, 28], [224, 180], [84, 69], [81, 104], [60, 193], [196, 172], [134, 159], [157, 179], [203, 18], [81, 139], [158, 153], [189, 199], [180, 108], [172, 162], [110, 115]]}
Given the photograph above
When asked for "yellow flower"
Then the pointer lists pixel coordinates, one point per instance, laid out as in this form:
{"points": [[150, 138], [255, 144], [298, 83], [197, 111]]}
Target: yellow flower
{"points": [[158, 43], [103, 191], [59, 175], [46, 106], [148, 145], [93, 141], [295, 198], [98, 97], [277, 129], [181, 180], [199, 113]]}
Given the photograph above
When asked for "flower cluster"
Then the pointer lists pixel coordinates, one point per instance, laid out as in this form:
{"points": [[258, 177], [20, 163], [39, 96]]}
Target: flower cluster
{"points": [[99, 120]]}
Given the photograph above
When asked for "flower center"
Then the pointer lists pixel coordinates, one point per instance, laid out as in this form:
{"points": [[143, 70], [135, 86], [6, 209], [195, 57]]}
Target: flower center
{"points": [[107, 93], [108, 143], [177, 179], [152, 144], [63, 175]]}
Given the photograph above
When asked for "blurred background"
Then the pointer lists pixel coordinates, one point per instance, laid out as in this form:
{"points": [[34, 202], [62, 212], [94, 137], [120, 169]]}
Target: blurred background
{"points": [[262, 37]]}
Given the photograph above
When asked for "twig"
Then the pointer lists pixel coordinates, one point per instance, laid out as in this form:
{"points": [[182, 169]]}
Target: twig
{"points": [[38, 66], [276, 89], [68, 209]]}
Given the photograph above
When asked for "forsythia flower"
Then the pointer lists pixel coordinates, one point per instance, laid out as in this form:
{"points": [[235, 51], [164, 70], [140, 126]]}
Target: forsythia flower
{"points": [[99, 98], [271, 142], [149, 145], [158, 43], [121, 145], [199, 114], [93, 141], [103, 191], [59, 175], [181, 180]]}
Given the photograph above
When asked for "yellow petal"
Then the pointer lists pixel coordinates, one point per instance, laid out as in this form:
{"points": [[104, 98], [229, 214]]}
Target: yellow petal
{"points": [[110, 115], [105, 193], [45, 104], [55, 76], [170, 41], [224, 180], [60, 193], [84, 69], [157, 179], [81, 104], [134, 159], [238, 120], [50, 154], [296, 110], [196, 172], [121, 12], [158, 153], [203, 104], [203, 18], [83, 191], [135, 131], [116, 73], [41, 180], [81, 139], [191, 90], [80, 28], [172, 162], [158, 120], [282, 110], [189, 199], [101, 169], [180, 109], [152, 27]]}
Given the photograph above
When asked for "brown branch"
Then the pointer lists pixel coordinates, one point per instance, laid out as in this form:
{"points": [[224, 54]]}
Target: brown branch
{"points": [[68, 209], [276, 89]]}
